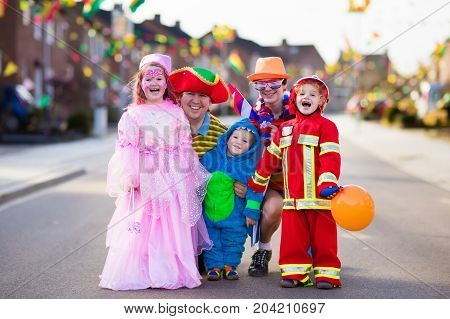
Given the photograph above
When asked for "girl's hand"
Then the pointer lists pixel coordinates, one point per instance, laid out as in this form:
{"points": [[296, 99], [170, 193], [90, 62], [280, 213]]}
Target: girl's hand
{"points": [[249, 221], [240, 189], [128, 183]]}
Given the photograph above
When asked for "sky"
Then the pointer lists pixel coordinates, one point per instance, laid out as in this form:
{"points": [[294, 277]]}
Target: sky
{"points": [[323, 23]]}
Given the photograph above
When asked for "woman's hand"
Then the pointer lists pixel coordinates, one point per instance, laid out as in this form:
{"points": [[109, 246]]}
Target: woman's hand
{"points": [[240, 189], [273, 130]]}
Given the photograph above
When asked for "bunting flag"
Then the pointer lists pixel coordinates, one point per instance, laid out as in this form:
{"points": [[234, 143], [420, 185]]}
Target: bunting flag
{"points": [[52, 11], [439, 50], [10, 69], [350, 54], [68, 3], [241, 105], [91, 7], [235, 62], [45, 11], [3, 4], [223, 33], [358, 5], [135, 4], [23, 5]]}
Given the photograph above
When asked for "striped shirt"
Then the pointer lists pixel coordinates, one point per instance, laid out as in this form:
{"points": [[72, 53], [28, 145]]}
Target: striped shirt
{"points": [[206, 137]]}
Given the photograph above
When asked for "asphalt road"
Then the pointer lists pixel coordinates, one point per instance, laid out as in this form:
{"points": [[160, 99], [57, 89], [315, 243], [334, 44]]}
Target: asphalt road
{"points": [[53, 243]]}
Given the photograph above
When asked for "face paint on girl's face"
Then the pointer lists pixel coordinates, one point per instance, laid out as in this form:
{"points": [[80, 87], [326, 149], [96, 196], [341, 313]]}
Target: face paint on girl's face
{"points": [[154, 84]]}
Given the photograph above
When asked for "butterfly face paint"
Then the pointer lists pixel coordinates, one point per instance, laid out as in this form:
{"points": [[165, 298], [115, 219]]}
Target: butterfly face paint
{"points": [[154, 84]]}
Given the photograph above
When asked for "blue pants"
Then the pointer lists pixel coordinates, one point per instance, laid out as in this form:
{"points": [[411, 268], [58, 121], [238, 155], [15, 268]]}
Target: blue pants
{"points": [[228, 237]]}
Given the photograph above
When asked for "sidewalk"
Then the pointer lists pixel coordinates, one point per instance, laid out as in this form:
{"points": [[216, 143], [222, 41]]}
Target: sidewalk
{"points": [[27, 169]]}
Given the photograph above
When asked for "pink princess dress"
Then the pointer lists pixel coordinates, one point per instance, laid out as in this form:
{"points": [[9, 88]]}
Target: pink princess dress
{"points": [[157, 229]]}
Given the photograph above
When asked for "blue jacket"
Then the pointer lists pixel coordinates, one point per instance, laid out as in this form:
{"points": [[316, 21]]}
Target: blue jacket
{"points": [[240, 167]]}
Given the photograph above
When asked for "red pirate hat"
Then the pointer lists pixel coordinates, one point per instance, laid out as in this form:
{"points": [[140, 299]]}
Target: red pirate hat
{"points": [[199, 80]]}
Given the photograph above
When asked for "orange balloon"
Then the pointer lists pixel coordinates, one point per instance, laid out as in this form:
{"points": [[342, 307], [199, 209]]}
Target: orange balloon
{"points": [[353, 208]]}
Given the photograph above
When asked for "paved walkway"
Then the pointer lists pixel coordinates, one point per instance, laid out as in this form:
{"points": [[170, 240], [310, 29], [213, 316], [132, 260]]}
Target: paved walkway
{"points": [[26, 169]]}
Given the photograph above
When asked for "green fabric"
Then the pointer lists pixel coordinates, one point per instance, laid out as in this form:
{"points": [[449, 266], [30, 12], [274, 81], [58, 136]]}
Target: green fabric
{"points": [[206, 74], [219, 199], [253, 204]]}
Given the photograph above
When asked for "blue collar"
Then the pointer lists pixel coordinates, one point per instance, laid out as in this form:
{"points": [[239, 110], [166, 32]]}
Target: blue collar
{"points": [[203, 130]]}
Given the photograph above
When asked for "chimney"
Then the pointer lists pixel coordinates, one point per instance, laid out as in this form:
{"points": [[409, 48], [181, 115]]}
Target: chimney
{"points": [[284, 43], [177, 24], [157, 18]]}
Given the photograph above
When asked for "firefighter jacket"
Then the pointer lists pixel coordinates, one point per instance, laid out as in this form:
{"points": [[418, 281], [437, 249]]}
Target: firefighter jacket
{"points": [[307, 150]]}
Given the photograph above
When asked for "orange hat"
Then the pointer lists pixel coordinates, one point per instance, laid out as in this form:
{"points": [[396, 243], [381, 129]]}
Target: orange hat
{"points": [[269, 68]]}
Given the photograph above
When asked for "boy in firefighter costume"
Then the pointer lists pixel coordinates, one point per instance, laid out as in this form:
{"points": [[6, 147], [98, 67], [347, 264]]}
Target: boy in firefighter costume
{"points": [[234, 159], [307, 149]]}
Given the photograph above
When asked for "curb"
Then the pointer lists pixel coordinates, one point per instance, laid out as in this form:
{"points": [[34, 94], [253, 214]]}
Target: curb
{"points": [[28, 188]]}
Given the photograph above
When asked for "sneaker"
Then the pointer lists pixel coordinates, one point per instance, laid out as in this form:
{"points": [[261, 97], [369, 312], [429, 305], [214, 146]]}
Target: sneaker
{"points": [[230, 273], [324, 285], [214, 274], [292, 283], [259, 266]]}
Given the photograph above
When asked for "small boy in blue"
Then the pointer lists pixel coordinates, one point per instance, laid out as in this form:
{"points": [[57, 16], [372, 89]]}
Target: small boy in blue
{"points": [[233, 159]]}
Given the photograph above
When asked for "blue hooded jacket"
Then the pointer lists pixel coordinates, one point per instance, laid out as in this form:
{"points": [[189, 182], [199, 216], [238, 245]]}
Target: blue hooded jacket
{"points": [[240, 167]]}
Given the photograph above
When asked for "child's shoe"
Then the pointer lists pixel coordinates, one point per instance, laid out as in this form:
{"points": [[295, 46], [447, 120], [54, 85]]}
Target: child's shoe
{"points": [[293, 283], [230, 273], [214, 274]]}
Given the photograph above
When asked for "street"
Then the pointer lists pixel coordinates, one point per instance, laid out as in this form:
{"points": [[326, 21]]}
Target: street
{"points": [[53, 242]]}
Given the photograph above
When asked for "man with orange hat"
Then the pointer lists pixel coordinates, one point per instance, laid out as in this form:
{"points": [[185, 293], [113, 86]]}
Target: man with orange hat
{"points": [[269, 79], [307, 149]]}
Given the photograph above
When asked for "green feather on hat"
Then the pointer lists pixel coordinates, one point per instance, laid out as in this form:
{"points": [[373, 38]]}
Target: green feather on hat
{"points": [[199, 80]]}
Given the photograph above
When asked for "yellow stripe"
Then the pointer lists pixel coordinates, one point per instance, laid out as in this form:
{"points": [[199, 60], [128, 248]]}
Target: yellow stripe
{"points": [[329, 147], [285, 172], [258, 183], [328, 276], [274, 150], [329, 151], [327, 268], [285, 141], [295, 265], [263, 178], [309, 203], [327, 177], [308, 140]]}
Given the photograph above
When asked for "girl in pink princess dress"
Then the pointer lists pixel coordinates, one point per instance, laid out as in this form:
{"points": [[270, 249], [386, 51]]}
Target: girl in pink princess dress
{"points": [[157, 229]]}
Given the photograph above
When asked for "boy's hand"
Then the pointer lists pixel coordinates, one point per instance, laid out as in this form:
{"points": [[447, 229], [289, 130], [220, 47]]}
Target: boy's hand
{"points": [[240, 189], [249, 221], [330, 192]]}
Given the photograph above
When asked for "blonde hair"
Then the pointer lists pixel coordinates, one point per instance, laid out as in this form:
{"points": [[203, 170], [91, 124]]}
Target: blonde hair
{"points": [[138, 94], [317, 86]]}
